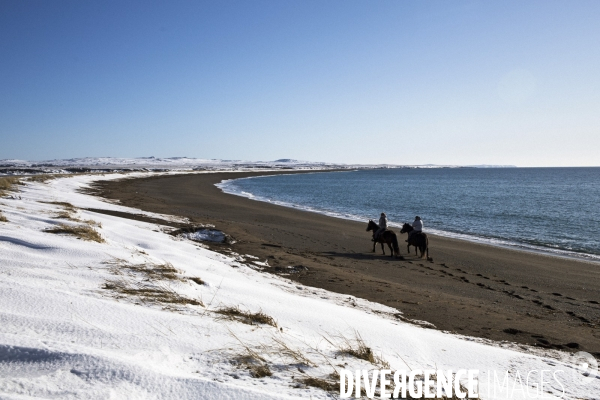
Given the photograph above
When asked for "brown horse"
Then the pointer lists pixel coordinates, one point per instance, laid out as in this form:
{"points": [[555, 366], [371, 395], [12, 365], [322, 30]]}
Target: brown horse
{"points": [[419, 240], [387, 237]]}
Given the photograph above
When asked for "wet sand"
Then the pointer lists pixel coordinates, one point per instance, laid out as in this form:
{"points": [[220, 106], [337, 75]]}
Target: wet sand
{"points": [[469, 288]]}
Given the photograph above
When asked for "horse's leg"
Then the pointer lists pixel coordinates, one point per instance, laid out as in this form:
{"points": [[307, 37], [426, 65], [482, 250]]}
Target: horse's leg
{"points": [[391, 249], [374, 244], [382, 248]]}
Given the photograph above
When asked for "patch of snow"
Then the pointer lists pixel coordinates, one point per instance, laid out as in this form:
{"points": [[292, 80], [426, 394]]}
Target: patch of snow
{"points": [[205, 235]]}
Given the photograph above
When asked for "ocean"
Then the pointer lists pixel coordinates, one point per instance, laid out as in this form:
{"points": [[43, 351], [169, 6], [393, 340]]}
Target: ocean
{"points": [[554, 210]]}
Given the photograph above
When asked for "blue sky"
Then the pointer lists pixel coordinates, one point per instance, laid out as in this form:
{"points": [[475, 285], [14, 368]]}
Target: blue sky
{"points": [[461, 82]]}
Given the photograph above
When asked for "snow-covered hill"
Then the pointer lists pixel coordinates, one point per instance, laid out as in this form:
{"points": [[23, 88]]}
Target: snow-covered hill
{"points": [[11, 166]]}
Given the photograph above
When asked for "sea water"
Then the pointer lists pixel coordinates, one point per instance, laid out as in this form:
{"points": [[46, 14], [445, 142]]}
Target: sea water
{"points": [[545, 209]]}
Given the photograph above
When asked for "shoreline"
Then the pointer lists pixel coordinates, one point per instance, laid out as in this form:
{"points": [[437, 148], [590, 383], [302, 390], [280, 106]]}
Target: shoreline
{"points": [[470, 288], [539, 250]]}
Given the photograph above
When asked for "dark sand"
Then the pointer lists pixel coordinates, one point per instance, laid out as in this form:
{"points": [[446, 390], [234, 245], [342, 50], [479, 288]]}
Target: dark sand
{"points": [[469, 288]]}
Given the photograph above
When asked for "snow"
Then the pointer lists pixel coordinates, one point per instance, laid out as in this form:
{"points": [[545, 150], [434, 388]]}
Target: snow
{"points": [[205, 235], [64, 333], [170, 163], [12, 166]]}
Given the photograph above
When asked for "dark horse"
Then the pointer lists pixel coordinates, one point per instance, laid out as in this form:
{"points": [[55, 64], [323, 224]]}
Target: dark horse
{"points": [[419, 240], [387, 237]]}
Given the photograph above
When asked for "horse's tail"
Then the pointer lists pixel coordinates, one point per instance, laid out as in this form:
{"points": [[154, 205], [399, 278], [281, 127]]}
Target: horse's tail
{"points": [[424, 246], [395, 244]]}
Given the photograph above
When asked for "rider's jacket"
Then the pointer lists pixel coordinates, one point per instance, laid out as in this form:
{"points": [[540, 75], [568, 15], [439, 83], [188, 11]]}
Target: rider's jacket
{"points": [[383, 222], [417, 225]]}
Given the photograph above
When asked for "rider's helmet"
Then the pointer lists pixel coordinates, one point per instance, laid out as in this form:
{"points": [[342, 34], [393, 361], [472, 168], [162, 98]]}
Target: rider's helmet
{"points": [[383, 215], [417, 218]]}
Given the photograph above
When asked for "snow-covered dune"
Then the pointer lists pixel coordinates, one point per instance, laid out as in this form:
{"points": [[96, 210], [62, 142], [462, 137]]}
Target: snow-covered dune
{"points": [[123, 319]]}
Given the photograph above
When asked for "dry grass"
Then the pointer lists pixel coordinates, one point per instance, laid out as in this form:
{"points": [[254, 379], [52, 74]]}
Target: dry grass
{"points": [[147, 282], [64, 215], [84, 232], [197, 280], [326, 385], [284, 350], [67, 206], [148, 270], [357, 348], [236, 314], [251, 360], [3, 218], [90, 222], [260, 371], [255, 364], [8, 184], [42, 178], [155, 292], [67, 213]]}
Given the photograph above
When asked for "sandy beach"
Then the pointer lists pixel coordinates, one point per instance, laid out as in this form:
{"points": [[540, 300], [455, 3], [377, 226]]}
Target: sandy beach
{"points": [[469, 288]]}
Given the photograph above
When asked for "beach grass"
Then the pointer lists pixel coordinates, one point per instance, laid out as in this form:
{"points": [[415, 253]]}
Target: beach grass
{"points": [[251, 360], [328, 385], [8, 184], [64, 204], [42, 178], [246, 317], [285, 350], [154, 292], [68, 211], [260, 371], [148, 270], [148, 282], [197, 280], [85, 232], [357, 348]]}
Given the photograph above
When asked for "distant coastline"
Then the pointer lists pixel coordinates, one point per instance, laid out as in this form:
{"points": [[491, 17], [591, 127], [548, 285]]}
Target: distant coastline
{"points": [[113, 164]]}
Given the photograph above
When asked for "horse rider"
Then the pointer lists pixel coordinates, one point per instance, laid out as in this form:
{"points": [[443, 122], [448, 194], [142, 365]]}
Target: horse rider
{"points": [[383, 222], [417, 227]]}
